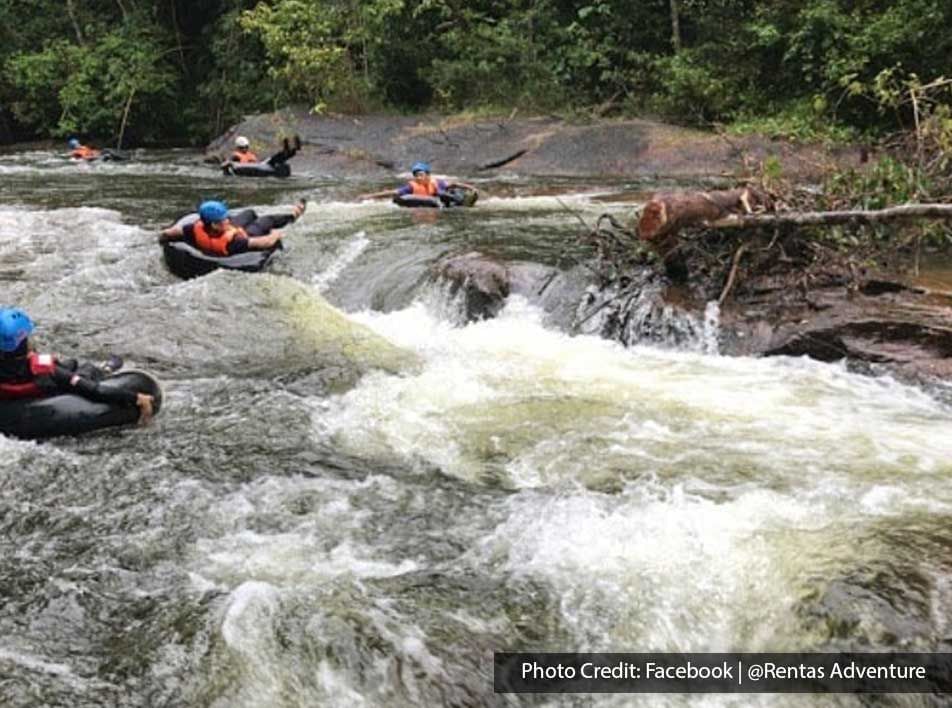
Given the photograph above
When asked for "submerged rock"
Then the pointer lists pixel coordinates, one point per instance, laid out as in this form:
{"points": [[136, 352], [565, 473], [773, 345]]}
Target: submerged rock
{"points": [[481, 283], [259, 325]]}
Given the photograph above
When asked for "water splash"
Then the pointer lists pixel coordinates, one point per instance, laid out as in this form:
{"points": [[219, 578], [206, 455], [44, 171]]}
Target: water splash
{"points": [[347, 255], [636, 312]]}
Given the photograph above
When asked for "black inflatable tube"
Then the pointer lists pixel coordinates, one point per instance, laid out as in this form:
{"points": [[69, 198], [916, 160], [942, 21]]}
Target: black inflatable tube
{"points": [[447, 200], [257, 169], [69, 414], [186, 261], [412, 202]]}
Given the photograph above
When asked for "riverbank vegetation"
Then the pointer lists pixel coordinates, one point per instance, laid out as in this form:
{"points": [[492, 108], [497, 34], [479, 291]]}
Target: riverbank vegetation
{"points": [[135, 71]]}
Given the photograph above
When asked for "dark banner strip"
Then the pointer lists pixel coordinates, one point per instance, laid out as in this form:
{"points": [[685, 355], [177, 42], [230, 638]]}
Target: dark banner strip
{"points": [[722, 673]]}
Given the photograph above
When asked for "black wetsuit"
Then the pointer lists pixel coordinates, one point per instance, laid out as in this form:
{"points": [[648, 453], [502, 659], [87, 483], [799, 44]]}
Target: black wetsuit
{"points": [[66, 377], [252, 224], [285, 154]]}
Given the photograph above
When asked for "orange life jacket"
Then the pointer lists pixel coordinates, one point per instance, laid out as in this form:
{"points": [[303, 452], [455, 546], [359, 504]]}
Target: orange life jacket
{"points": [[244, 157], [215, 244], [40, 365], [84, 153], [424, 190]]}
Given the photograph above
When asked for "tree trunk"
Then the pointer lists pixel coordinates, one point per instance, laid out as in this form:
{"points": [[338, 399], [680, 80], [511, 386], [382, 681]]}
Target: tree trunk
{"points": [[71, 11], [675, 26], [665, 214], [905, 212]]}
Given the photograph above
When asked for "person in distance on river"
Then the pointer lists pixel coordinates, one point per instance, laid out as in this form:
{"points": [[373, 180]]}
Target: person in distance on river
{"points": [[243, 155], [423, 184]]}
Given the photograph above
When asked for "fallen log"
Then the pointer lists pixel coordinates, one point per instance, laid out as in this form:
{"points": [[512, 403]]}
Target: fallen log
{"points": [[667, 213], [905, 212]]}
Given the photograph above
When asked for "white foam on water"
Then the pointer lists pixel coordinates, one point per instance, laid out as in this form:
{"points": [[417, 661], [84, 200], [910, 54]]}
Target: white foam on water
{"points": [[35, 663], [508, 393], [322, 546], [350, 251]]}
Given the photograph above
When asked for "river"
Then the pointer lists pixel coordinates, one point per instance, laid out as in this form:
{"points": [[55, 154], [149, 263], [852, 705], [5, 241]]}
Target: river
{"points": [[352, 499]]}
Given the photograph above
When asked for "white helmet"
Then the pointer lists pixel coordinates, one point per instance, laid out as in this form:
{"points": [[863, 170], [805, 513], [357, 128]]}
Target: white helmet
{"points": [[242, 142]]}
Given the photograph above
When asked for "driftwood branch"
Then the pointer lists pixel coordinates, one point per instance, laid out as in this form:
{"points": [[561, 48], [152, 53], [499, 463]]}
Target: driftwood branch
{"points": [[906, 212], [667, 213]]}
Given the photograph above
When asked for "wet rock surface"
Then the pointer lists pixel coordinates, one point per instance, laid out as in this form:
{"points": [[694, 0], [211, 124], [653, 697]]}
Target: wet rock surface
{"points": [[483, 283], [381, 145], [885, 321]]}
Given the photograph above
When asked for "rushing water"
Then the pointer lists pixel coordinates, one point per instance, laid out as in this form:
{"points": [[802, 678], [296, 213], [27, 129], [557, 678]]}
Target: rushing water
{"points": [[356, 507]]}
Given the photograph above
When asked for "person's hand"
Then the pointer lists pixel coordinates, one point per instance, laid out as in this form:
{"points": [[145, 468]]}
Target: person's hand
{"points": [[144, 402]]}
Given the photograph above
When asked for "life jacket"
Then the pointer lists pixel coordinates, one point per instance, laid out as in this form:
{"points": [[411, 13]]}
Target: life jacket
{"points": [[244, 157], [84, 153], [215, 244], [39, 365], [424, 190]]}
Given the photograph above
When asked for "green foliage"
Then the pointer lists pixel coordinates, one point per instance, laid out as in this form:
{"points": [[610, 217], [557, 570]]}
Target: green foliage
{"points": [[803, 68], [72, 88], [802, 119]]}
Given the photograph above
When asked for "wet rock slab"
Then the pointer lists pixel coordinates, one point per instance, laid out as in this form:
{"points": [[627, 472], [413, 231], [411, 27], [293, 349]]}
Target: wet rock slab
{"points": [[379, 145], [883, 322]]}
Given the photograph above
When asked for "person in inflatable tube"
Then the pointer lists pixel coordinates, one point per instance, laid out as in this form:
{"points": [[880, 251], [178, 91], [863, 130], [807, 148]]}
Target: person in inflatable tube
{"points": [[26, 374], [78, 151], [423, 184], [243, 153], [244, 156], [214, 233]]}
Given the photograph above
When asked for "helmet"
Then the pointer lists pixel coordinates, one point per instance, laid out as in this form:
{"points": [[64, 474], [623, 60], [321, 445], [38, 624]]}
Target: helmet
{"points": [[420, 167], [15, 326], [72, 143], [212, 211], [242, 142]]}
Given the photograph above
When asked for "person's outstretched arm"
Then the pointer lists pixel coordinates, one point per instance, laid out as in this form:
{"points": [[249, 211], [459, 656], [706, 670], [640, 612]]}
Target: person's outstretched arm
{"points": [[378, 195], [173, 233], [464, 185], [68, 381]]}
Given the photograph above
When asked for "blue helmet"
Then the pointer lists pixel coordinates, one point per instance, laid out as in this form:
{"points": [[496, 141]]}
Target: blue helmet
{"points": [[420, 167], [212, 211], [15, 326], [72, 143]]}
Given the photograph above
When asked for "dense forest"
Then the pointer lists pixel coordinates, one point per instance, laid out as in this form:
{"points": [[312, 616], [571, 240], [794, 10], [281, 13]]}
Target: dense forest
{"points": [[144, 71]]}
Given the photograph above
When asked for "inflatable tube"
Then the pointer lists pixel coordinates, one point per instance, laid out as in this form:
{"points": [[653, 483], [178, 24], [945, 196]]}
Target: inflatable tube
{"points": [[257, 169], [69, 414], [412, 202], [186, 261], [447, 200], [112, 155]]}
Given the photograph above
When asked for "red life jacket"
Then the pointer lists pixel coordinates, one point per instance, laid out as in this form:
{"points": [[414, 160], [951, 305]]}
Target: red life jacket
{"points": [[215, 244], [424, 190], [84, 153], [244, 157], [40, 365]]}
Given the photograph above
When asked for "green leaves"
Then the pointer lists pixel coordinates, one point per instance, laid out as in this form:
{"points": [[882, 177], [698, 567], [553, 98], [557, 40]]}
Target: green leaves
{"points": [[85, 89]]}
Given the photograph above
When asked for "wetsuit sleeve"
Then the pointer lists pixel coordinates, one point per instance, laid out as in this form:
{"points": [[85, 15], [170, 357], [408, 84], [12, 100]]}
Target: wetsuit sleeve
{"points": [[404, 190], [67, 381], [239, 244], [188, 234]]}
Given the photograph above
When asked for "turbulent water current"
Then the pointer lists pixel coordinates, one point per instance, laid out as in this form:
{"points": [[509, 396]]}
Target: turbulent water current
{"points": [[351, 498]]}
